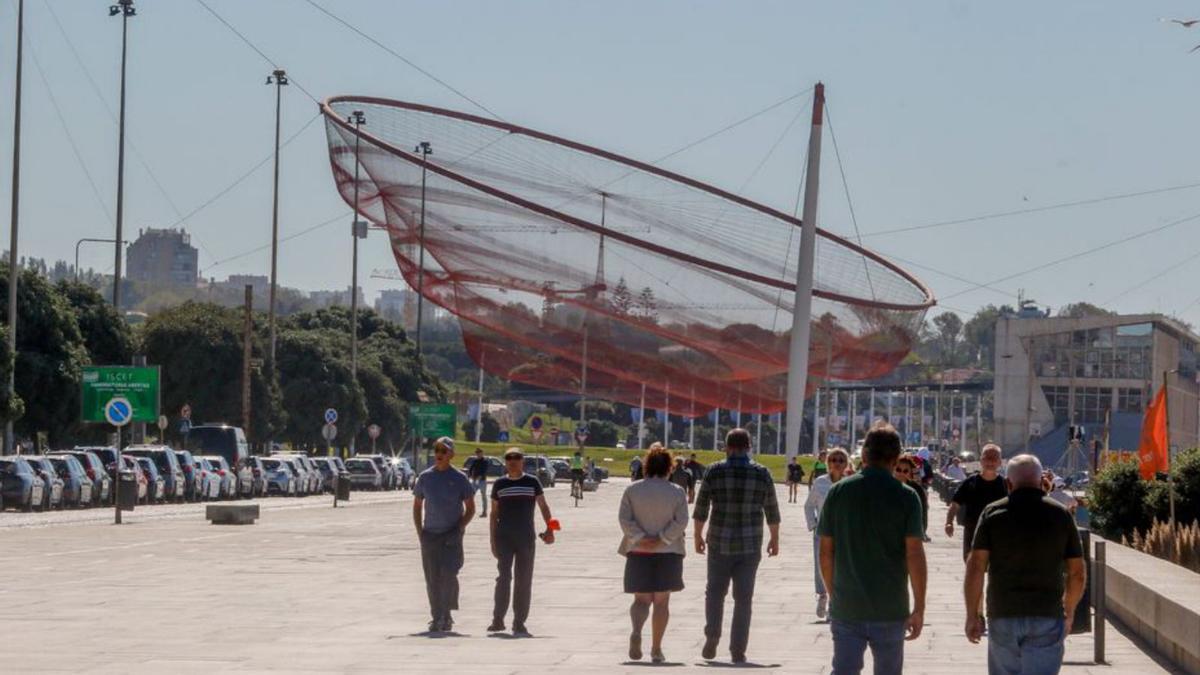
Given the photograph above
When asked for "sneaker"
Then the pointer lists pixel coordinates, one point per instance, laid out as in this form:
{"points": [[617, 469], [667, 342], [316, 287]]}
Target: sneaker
{"points": [[737, 658], [496, 627], [635, 647], [447, 624], [710, 648], [435, 626], [656, 656], [519, 630], [822, 606]]}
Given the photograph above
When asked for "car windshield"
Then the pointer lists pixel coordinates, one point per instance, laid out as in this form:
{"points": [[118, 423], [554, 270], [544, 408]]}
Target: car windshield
{"points": [[272, 464], [215, 441], [11, 466], [360, 466]]}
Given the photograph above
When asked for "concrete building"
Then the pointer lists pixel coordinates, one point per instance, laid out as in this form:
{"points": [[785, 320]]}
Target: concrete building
{"points": [[163, 256], [260, 282], [392, 304], [1099, 372], [336, 298]]}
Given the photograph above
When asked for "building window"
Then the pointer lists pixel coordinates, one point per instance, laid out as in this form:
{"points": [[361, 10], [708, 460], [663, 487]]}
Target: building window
{"points": [[1130, 400]]}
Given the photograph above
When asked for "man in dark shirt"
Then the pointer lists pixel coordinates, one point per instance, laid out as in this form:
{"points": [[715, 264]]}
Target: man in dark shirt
{"points": [[872, 548], [741, 494], [513, 539], [477, 467], [1025, 543], [975, 494]]}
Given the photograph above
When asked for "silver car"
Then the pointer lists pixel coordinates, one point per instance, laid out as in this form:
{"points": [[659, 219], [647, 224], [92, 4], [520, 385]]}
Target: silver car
{"points": [[210, 482], [228, 479], [364, 474], [279, 477]]}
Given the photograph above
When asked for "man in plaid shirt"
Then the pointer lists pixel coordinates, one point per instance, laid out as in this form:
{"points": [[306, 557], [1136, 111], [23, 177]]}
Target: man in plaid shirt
{"points": [[740, 493]]}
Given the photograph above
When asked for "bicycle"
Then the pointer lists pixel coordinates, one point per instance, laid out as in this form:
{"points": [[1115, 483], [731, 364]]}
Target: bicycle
{"points": [[577, 485]]}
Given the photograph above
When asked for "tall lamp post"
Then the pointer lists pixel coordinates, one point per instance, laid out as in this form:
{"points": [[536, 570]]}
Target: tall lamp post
{"points": [[89, 239], [278, 77], [124, 9], [425, 150], [13, 274], [358, 230]]}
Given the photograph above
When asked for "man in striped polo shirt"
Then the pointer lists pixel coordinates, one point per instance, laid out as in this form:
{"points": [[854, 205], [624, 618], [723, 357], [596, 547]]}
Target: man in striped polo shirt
{"points": [[513, 539]]}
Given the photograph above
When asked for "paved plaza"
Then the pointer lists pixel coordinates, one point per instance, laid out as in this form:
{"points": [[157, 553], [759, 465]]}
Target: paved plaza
{"points": [[313, 589]]}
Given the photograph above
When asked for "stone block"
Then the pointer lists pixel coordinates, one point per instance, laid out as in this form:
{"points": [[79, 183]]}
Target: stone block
{"points": [[231, 514]]}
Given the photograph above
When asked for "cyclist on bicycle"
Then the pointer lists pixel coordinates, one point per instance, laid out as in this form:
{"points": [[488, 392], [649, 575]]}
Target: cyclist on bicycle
{"points": [[577, 471]]}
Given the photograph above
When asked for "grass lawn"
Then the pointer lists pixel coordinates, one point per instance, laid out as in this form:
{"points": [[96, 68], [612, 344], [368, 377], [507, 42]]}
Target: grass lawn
{"points": [[617, 461]]}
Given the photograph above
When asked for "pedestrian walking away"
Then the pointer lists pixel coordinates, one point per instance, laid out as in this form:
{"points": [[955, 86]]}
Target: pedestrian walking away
{"points": [[653, 518], [820, 468], [975, 493], [1029, 548], [697, 470], [477, 468], [795, 476], [682, 477], [635, 468], [443, 506], [514, 541], [837, 460], [737, 495], [871, 551]]}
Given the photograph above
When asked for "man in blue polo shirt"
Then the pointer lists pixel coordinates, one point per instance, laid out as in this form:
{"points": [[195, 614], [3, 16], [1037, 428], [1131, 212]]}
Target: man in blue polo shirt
{"points": [[872, 547], [443, 505]]}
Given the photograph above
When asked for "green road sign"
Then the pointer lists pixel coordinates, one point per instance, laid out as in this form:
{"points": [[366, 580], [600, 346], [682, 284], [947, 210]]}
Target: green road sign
{"points": [[432, 420], [136, 384]]}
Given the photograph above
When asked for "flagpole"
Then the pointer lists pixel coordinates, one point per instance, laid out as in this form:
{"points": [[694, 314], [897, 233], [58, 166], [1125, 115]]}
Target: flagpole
{"points": [[1167, 426]]}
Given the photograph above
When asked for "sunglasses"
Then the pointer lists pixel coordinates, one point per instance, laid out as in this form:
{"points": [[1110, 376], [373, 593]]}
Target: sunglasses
{"points": [[904, 471], [513, 459], [836, 461]]}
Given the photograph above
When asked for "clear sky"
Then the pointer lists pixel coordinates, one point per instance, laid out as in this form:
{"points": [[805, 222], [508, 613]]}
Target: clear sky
{"points": [[943, 110]]}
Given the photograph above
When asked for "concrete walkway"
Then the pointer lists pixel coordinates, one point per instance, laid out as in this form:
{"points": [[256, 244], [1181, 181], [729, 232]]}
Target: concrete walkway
{"points": [[309, 588]]}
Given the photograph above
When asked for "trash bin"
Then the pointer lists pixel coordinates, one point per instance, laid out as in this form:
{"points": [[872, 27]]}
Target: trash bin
{"points": [[343, 486], [127, 490]]}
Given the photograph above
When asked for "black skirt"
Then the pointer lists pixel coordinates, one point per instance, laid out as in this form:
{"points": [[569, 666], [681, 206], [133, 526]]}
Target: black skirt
{"points": [[653, 572]]}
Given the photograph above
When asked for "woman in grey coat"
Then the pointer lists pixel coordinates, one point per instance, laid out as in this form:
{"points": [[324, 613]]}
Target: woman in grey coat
{"points": [[653, 518]]}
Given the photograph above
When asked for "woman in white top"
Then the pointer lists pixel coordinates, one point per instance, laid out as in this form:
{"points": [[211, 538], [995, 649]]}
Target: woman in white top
{"points": [[653, 517], [837, 461]]}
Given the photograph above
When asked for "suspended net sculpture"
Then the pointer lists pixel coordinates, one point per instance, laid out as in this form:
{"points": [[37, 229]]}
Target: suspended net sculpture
{"points": [[553, 255]]}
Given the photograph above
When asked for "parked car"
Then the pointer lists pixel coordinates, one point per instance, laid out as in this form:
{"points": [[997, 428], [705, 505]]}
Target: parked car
{"points": [[156, 486], [562, 468], [408, 477], [77, 487], [192, 490], [307, 475], [539, 467], [93, 467], [20, 486], [258, 482], [108, 455], [228, 442], [210, 482], [167, 466], [279, 476], [228, 482], [53, 498], [130, 463], [329, 472], [364, 473], [388, 477]]}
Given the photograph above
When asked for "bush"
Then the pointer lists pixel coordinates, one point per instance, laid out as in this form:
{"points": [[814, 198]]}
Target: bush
{"points": [[1117, 501], [603, 433], [490, 431]]}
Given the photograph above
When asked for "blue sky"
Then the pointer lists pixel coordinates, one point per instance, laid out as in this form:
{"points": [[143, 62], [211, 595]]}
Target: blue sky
{"points": [[943, 110]]}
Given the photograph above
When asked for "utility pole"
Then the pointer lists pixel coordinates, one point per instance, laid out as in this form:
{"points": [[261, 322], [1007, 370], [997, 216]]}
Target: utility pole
{"points": [[246, 357], [278, 77], [797, 379], [14, 274], [425, 149], [125, 9], [358, 231]]}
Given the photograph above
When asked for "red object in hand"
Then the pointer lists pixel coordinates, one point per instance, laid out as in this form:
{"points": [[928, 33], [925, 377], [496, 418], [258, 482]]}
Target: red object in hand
{"points": [[553, 525]]}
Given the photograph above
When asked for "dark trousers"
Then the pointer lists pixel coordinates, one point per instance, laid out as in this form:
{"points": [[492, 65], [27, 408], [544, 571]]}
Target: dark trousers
{"points": [[741, 570], [519, 555], [442, 558]]}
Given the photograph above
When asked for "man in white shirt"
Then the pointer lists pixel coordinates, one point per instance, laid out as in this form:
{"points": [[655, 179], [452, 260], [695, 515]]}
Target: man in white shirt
{"points": [[954, 471], [837, 461]]}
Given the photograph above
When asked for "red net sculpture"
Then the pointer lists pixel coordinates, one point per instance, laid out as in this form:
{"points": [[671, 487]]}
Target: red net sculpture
{"points": [[563, 261]]}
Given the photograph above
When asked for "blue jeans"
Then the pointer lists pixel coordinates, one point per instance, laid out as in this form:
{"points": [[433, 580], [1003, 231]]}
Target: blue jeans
{"points": [[1027, 644], [851, 639], [480, 485], [820, 583]]}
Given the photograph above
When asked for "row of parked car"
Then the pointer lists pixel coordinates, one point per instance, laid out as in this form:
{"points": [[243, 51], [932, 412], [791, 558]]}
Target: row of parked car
{"points": [[548, 470], [84, 476]]}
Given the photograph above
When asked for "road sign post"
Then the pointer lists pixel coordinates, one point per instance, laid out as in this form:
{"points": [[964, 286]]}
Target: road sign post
{"points": [[373, 433], [118, 411]]}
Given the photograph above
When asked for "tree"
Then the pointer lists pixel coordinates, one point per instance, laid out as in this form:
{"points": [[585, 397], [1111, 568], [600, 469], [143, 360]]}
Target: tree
{"points": [[489, 431], [199, 349], [1079, 310], [1116, 499], [979, 334], [108, 339], [622, 298], [11, 407], [948, 329], [646, 305], [49, 358], [314, 373]]}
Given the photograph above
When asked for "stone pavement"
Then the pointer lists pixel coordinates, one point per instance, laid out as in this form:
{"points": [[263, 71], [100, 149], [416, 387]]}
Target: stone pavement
{"points": [[311, 589]]}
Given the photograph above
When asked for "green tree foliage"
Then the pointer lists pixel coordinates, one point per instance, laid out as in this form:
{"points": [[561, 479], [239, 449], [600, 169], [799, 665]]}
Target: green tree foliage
{"points": [[489, 431], [314, 372], [1186, 474], [108, 339], [948, 331], [199, 348], [11, 407], [979, 334], [50, 354], [1079, 310], [1117, 500], [604, 433]]}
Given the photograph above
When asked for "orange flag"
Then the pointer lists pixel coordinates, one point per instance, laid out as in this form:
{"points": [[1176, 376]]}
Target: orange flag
{"points": [[1152, 450]]}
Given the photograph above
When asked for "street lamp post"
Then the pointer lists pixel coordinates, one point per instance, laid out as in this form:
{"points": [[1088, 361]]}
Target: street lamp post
{"points": [[425, 149], [278, 77], [358, 231], [125, 9], [99, 241], [13, 274]]}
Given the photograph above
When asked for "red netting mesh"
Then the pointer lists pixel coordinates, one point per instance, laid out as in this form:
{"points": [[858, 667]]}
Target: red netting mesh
{"points": [[547, 250]]}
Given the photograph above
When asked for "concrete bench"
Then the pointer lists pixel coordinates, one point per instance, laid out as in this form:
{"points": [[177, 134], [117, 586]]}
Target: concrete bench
{"points": [[231, 514]]}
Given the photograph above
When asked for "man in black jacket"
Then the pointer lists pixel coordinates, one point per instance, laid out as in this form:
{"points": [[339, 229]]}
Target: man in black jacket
{"points": [[477, 467]]}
